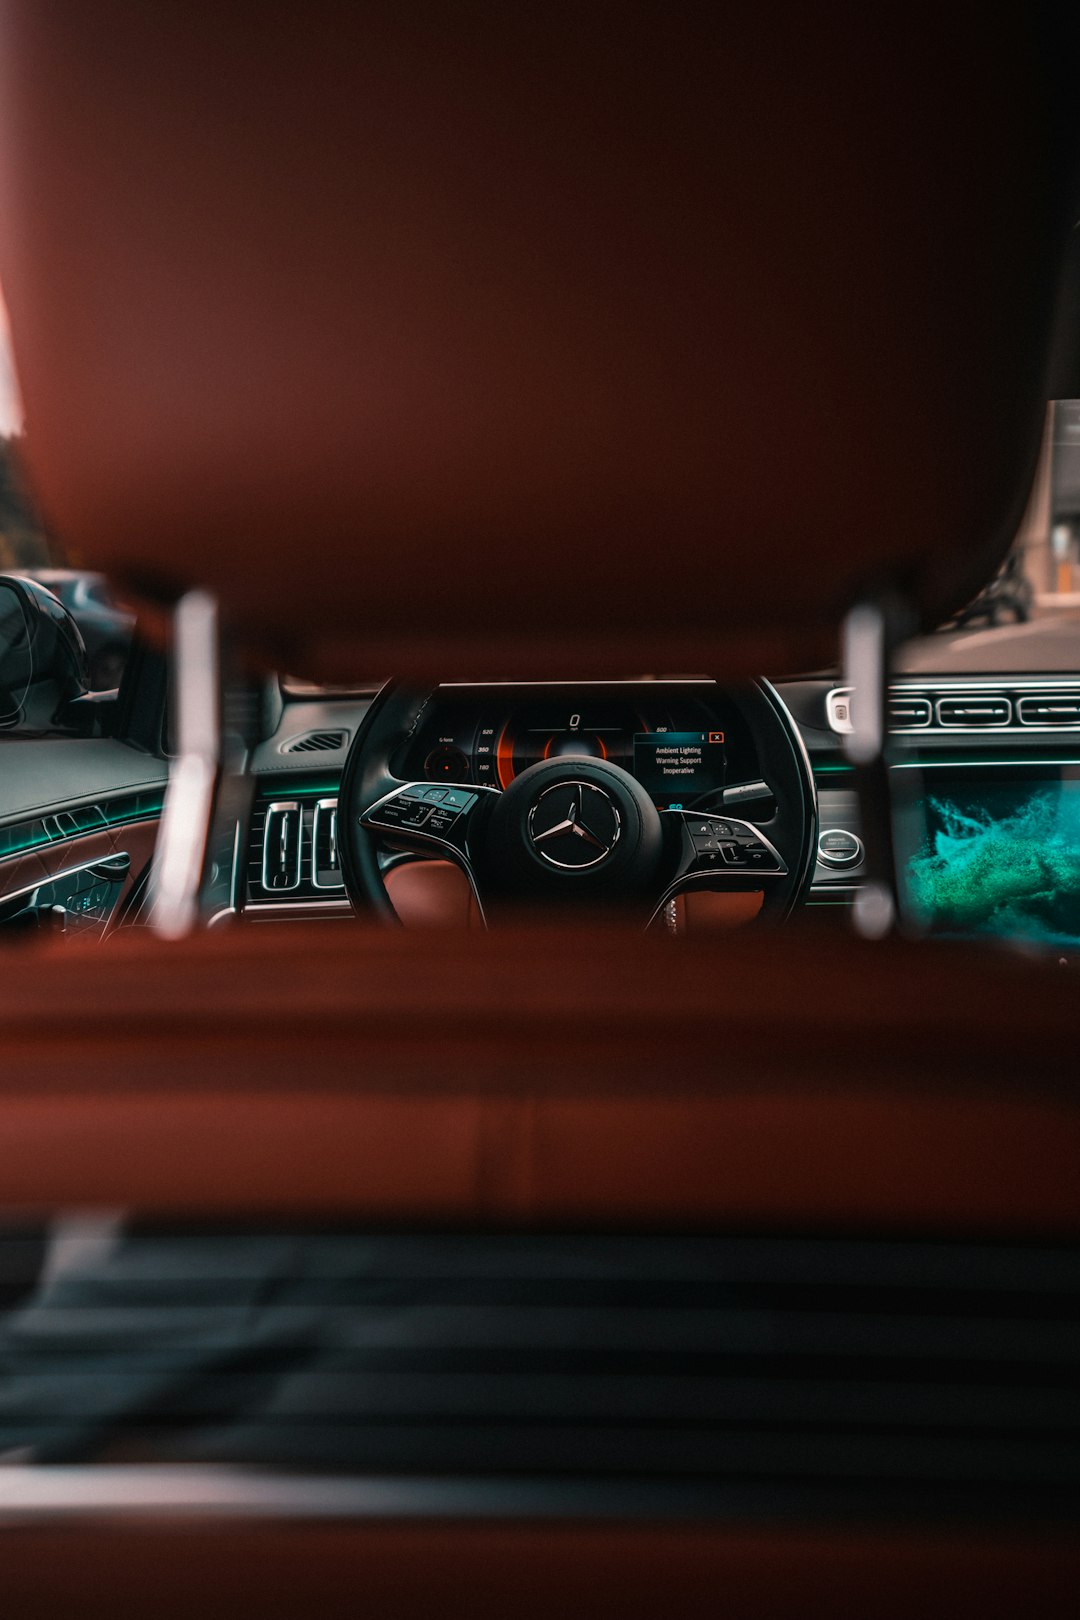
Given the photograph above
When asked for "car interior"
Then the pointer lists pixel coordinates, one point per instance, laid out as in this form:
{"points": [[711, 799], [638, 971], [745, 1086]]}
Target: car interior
{"points": [[539, 1015]]}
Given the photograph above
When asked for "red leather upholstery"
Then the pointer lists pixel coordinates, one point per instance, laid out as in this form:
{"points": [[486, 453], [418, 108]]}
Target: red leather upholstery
{"points": [[432, 894], [631, 1572], [542, 1077]]}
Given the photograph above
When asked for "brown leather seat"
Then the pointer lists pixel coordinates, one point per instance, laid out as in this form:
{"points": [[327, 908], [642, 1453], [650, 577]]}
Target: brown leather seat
{"points": [[539, 1077], [678, 1090], [442, 314]]}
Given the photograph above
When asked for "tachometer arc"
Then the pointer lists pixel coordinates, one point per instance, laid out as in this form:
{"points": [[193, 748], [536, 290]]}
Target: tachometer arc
{"points": [[509, 738]]}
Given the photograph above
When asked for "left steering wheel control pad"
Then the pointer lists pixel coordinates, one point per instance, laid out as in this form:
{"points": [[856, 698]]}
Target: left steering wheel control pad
{"points": [[419, 811]]}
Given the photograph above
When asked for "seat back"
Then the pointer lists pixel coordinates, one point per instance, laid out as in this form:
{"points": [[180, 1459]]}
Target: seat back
{"points": [[514, 310]]}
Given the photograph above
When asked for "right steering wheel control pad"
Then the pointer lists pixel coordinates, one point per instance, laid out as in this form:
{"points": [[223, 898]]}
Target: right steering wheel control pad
{"points": [[719, 844]]}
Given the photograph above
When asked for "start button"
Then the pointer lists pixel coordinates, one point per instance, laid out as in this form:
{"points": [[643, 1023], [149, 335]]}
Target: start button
{"points": [[839, 848]]}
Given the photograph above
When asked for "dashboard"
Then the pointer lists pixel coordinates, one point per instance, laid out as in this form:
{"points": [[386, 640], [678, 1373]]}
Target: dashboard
{"points": [[986, 777], [985, 789], [688, 784]]}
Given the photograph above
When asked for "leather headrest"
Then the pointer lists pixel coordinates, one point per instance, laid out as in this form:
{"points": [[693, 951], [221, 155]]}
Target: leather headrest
{"points": [[493, 339]]}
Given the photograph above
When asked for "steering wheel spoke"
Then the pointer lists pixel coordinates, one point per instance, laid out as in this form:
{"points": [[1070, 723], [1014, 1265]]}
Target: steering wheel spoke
{"points": [[718, 853]]}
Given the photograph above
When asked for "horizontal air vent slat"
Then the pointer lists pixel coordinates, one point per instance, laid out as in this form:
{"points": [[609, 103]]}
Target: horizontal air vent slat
{"points": [[1005, 705], [910, 711], [973, 710], [1058, 710]]}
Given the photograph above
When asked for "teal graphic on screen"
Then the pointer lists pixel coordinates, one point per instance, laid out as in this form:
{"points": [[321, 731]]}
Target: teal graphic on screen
{"points": [[994, 852]]}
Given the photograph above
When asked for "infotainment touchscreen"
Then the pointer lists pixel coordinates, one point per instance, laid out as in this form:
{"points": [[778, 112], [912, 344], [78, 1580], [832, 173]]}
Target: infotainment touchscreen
{"points": [[991, 849], [676, 767]]}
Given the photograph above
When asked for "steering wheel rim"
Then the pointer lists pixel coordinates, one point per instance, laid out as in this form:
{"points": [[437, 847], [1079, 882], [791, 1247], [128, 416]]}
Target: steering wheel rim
{"points": [[371, 788]]}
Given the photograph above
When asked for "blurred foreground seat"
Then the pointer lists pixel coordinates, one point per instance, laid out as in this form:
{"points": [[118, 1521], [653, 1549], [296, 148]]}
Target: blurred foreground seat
{"points": [[600, 1291]]}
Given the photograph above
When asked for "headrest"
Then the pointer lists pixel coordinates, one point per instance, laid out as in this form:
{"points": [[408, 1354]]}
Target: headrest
{"points": [[495, 339]]}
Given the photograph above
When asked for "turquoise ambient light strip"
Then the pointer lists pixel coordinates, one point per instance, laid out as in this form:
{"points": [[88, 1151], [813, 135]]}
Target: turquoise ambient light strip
{"points": [[80, 821], [954, 762], [1014, 760], [274, 790]]}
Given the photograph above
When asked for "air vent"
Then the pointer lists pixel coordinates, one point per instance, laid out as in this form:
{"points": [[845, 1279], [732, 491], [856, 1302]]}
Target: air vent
{"points": [[316, 742], [282, 846], [325, 856], [910, 711], [1061, 709], [961, 706], [905, 711], [973, 711]]}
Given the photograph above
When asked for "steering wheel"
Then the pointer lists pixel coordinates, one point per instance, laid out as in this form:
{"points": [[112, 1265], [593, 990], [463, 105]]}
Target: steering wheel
{"points": [[573, 831]]}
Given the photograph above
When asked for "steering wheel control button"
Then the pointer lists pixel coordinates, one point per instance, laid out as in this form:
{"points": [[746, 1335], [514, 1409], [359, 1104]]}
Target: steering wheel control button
{"points": [[416, 815], [706, 830], [458, 798], [839, 848]]}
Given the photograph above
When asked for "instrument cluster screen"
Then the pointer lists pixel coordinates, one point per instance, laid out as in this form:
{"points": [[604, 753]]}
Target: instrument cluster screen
{"points": [[681, 740]]}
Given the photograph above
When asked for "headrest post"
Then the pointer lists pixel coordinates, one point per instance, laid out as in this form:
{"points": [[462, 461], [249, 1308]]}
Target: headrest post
{"points": [[872, 630], [180, 855]]}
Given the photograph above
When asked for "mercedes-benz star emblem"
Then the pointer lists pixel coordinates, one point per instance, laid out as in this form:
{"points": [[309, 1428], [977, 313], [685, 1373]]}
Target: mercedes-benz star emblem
{"points": [[574, 825]]}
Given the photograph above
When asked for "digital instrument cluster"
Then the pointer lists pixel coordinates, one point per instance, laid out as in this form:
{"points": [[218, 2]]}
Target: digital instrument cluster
{"points": [[680, 740]]}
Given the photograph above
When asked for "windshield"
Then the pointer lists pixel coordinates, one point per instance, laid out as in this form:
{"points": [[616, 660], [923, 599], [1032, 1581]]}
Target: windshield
{"points": [[1027, 616]]}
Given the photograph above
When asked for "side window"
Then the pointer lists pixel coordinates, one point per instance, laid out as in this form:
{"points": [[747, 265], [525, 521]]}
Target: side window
{"points": [[28, 549]]}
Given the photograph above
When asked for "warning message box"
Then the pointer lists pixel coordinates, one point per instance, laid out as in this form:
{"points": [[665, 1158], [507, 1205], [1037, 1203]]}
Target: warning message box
{"points": [[677, 766]]}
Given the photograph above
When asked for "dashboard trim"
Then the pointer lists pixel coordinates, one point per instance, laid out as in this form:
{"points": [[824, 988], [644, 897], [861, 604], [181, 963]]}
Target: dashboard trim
{"points": [[935, 689]]}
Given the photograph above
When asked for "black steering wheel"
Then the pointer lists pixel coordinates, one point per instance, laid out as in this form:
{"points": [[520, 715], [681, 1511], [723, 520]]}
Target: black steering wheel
{"points": [[573, 831]]}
